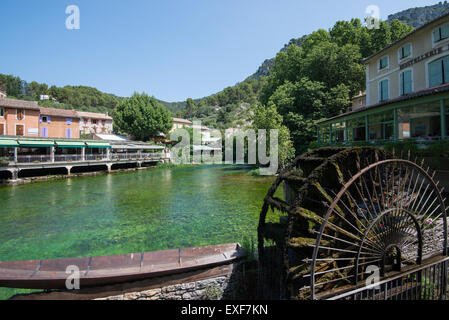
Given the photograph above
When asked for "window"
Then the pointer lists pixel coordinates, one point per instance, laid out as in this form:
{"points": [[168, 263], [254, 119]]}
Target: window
{"points": [[44, 132], [2, 129], [338, 132], [441, 33], [69, 121], [103, 122], [357, 129], [2, 112], [406, 82], [405, 51], [68, 133], [383, 63], [384, 90], [19, 130], [381, 125], [20, 114], [439, 72], [94, 121], [420, 121]]}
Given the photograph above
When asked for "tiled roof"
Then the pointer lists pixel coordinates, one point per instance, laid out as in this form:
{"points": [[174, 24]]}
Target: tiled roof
{"points": [[406, 36], [59, 112], [179, 120], [12, 103], [92, 115], [413, 95]]}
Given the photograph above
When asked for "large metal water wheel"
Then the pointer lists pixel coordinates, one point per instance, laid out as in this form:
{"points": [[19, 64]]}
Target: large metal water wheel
{"points": [[344, 210]]}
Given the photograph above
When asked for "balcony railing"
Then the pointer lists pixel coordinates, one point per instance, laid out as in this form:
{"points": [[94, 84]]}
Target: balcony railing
{"points": [[87, 157]]}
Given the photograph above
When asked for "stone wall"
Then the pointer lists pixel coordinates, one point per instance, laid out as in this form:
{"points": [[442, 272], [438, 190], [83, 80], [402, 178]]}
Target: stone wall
{"points": [[432, 242], [208, 289], [221, 282]]}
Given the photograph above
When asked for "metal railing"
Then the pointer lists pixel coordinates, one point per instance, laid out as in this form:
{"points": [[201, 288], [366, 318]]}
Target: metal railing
{"points": [[428, 282], [136, 156], [32, 159], [87, 157]]}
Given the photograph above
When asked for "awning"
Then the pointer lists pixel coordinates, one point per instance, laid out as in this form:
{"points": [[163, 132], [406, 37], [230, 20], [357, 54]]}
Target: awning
{"points": [[7, 143], [70, 144], [98, 145], [36, 143]]}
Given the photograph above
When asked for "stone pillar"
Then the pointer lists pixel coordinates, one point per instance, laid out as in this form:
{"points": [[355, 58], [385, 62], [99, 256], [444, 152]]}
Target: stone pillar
{"points": [[69, 169], [108, 153], [109, 166], [52, 154], [15, 155], [139, 164], [15, 174], [83, 154]]}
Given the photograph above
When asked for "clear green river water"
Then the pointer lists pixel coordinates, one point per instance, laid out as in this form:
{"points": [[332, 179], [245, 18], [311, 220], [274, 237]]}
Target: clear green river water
{"points": [[129, 212]]}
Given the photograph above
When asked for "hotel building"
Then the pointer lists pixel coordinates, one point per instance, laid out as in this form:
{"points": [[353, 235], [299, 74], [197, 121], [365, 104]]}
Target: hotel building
{"points": [[407, 92]]}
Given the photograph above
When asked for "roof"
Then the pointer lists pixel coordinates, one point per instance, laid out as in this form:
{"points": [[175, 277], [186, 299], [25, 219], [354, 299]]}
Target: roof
{"points": [[179, 120], [12, 103], [111, 137], [58, 112], [442, 17], [100, 116], [413, 95]]}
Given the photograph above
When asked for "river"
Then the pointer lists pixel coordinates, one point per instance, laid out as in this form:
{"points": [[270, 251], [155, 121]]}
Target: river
{"points": [[130, 212]]}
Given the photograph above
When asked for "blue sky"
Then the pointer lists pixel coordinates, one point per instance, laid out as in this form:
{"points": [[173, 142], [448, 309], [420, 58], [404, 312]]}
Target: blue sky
{"points": [[172, 49]]}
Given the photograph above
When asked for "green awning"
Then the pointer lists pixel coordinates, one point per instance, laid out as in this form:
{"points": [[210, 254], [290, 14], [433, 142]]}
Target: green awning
{"points": [[98, 145], [70, 144], [7, 143], [36, 143]]}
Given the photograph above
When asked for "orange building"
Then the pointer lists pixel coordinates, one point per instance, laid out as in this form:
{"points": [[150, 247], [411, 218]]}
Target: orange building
{"points": [[19, 118], [58, 123]]}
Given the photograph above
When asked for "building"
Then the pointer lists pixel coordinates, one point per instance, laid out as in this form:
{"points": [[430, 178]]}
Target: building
{"points": [[59, 123], [2, 92], [19, 118], [91, 123], [179, 123], [359, 101], [407, 92]]}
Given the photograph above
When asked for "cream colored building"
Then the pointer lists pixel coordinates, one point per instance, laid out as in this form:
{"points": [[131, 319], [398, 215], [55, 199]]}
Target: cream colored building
{"points": [[407, 91]]}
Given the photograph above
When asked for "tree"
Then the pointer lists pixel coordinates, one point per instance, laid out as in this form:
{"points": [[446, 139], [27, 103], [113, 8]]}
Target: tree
{"points": [[268, 118], [191, 108], [142, 117]]}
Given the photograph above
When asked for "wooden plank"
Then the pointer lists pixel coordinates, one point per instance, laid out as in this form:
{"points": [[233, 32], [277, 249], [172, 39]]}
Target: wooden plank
{"points": [[106, 270]]}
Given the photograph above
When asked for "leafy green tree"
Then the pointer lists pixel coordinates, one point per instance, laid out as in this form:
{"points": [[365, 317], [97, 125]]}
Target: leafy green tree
{"points": [[142, 117], [333, 65], [268, 118]]}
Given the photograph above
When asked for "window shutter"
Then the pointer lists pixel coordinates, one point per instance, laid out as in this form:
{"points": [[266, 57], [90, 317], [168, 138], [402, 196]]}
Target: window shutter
{"points": [[384, 90], [48, 119], [407, 78], [406, 51], [445, 70], [436, 35], [435, 74], [69, 121], [445, 31], [40, 119]]}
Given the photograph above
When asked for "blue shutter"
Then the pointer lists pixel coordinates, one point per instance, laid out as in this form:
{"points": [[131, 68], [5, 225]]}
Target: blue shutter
{"points": [[48, 119], [436, 35], [406, 82], [445, 31], [384, 90], [446, 69], [435, 73]]}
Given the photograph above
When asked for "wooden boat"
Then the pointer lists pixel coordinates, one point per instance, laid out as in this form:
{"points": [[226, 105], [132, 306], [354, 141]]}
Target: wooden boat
{"points": [[106, 270]]}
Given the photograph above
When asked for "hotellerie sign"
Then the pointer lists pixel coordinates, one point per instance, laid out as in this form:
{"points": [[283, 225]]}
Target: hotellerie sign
{"points": [[424, 56]]}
